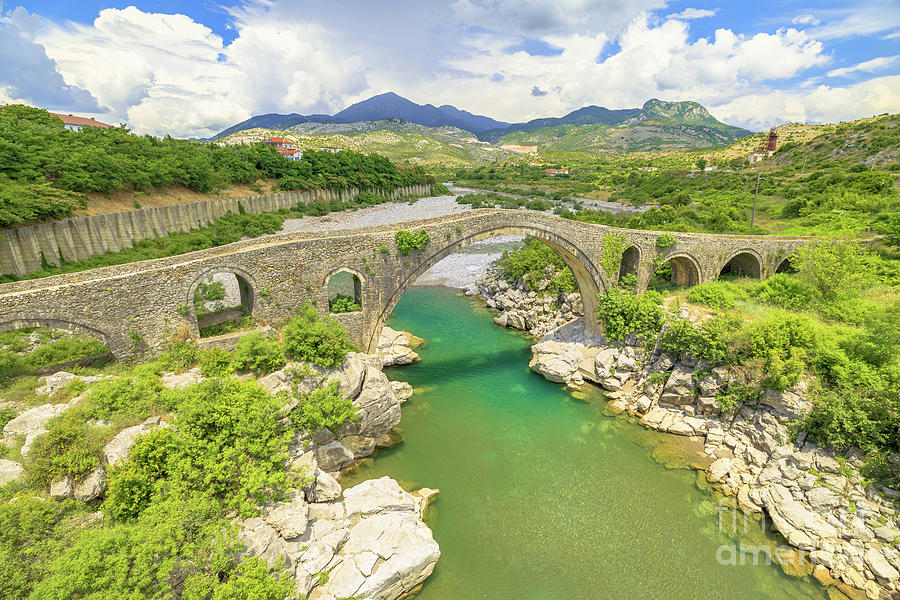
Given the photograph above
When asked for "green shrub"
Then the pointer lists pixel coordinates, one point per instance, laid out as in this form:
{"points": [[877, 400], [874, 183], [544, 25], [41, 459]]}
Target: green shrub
{"points": [[228, 446], [216, 362], [179, 354], [135, 394], [408, 241], [832, 267], [343, 304], [842, 419], [717, 294], [536, 262], [679, 338], [622, 313], [440, 189], [259, 353], [323, 407], [666, 240], [309, 337], [784, 291], [64, 350], [614, 246], [68, 449]]}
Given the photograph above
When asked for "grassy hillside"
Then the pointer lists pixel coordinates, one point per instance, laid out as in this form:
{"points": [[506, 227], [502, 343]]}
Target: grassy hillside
{"points": [[394, 138], [657, 125]]}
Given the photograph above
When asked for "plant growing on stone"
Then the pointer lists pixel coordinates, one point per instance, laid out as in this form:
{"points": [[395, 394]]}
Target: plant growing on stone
{"points": [[614, 246], [666, 240], [408, 241], [322, 407], [259, 353], [343, 304], [623, 314]]}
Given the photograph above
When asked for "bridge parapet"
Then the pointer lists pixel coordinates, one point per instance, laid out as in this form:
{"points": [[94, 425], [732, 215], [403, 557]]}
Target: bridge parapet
{"points": [[139, 303]]}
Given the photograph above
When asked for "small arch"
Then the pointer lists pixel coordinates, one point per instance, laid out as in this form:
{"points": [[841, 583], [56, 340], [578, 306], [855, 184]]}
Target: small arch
{"points": [[680, 270], [34, 345], [744, 263], [344, 291], [631, 261], [222, 299], [786, 266]]}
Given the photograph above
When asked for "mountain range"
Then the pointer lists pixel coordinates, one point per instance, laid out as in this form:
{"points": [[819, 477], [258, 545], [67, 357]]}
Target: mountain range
{"points": [[390, 105], [460, 137]]}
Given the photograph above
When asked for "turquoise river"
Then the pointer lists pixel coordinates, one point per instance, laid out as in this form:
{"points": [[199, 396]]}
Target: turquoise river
{"points": [[543, 495]]}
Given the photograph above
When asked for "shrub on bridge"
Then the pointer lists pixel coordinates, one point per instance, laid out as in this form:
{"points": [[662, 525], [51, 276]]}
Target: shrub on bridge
{"points": [[408, 241], [310, 337]]}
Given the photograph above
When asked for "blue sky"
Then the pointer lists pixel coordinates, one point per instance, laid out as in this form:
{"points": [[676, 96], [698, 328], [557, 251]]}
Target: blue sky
{"points": [[193, 68]]}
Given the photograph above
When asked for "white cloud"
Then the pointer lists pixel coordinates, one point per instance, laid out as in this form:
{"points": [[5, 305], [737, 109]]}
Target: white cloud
{"points": [[760, 110], [869, 66], [171, 74], [805, 20], [27, 74], [689, 14], [654, 60], [862, 19], [168, 73]]}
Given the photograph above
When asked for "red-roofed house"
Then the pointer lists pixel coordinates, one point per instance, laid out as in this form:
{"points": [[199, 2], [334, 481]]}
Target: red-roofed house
{"points": [[284, 147], [74, 123]]}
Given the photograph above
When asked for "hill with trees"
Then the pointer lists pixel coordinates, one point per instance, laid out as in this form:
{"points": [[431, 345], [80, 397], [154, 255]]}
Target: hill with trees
{"points": [[46, 170]]}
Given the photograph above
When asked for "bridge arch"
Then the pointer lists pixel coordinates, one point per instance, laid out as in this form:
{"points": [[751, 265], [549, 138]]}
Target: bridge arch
{"points": [[118, 346], [589, 278], [743, 262], [631, 262], [686, 269], [355, 287], [247, 290]]}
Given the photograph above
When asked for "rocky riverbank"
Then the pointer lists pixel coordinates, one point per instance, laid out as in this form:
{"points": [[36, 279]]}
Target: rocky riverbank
{"points": [[536, 311], [369, 541], [846, 531]]}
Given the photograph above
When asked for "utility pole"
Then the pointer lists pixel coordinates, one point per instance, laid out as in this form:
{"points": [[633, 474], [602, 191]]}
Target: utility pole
{"points": [[755, 196]]}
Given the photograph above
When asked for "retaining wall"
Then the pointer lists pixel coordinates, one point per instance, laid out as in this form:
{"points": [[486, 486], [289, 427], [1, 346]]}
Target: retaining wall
{"points": [[23, 249]]}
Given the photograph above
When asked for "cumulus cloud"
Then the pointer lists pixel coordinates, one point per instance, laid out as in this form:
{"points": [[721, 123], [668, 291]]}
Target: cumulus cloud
{"points": [[171, 74], [760, 110], [27, 74], [168, 73]]}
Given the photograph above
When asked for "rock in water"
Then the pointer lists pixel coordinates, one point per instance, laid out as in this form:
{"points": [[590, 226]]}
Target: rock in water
{"points": [[395, 347]]}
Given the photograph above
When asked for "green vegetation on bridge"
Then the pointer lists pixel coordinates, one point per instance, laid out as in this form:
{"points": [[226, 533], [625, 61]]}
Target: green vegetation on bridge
{"points": [[46, 170]]}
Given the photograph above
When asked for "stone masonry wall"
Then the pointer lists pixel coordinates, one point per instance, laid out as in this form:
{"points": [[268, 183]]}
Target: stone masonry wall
{"points": [[133, 306]]}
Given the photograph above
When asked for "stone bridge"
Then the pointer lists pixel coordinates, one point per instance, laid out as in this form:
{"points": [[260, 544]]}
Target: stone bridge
{"points": [[137, 305]]}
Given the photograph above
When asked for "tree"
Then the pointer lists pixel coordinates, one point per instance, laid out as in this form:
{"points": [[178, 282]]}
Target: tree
{"points": [[832, 267]]}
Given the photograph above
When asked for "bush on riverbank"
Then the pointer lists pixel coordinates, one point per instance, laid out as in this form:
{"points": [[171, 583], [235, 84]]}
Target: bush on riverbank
{"points": [[777, 330], [165, 525], [536, 262]]}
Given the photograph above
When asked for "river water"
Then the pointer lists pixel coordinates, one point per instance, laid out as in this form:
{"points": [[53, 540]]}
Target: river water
{"points": [[543, 496]]}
